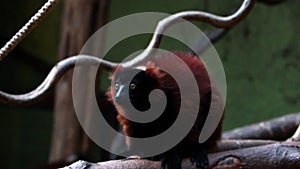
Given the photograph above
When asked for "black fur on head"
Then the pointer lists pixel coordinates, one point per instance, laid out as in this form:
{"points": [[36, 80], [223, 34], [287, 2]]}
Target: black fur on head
{"points": [[135, 84]]}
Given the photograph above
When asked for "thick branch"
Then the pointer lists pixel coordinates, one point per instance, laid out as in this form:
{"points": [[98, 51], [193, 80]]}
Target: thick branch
{"points": [[276, 156], [225, 145], [296, 136], [279, 128]]}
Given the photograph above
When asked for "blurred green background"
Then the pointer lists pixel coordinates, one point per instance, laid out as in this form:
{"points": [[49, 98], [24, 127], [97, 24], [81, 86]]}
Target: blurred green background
{"points": [[261, 58]]}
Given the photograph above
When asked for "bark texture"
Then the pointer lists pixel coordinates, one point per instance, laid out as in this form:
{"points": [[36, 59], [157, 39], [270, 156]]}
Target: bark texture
{"points": [[79, 20]]}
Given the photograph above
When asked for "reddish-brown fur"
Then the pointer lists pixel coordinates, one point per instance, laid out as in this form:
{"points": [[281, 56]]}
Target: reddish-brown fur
{"points": [[204, 85]]}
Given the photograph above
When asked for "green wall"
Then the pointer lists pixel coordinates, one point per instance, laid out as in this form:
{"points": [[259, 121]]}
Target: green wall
{"points": [[260, 58]]}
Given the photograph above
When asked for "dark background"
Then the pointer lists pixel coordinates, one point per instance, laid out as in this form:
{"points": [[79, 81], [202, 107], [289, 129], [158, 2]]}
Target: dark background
{"points": [[260, 55]]}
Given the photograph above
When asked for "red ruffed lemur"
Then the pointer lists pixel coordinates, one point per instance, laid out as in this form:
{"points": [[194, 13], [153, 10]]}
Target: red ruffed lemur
{"points": [[138, 89]]}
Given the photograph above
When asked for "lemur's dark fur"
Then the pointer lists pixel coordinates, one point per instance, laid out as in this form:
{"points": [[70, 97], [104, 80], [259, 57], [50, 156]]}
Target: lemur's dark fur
{"points": [[153, 78]]}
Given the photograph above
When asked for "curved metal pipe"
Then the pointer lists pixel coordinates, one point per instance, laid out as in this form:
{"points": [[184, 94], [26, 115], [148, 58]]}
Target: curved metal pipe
{"points": [[55, 74], [60, 68]]}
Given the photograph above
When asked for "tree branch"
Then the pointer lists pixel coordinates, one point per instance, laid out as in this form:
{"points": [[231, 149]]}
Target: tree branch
{"points": [[279, 128], [276, 156], [296, 136], [225, 145]]}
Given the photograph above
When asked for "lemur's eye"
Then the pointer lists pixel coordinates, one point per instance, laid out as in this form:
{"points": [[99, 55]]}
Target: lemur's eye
{"points": [[117, 86], [132, 86]]}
